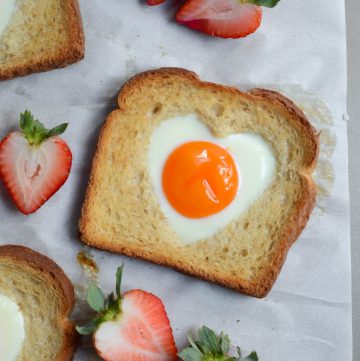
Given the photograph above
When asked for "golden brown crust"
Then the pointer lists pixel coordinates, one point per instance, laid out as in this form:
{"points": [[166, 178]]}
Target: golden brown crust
{"points": [[296, 113], [73, 53], [260, 286], [53, 274], [305, 205]]}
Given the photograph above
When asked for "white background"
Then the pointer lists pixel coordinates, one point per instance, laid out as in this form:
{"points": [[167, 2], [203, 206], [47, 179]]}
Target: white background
{"points": [[307, 315]]}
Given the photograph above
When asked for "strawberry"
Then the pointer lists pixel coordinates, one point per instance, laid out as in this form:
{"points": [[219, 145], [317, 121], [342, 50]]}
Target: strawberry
{"points": [[131, 327], [154, 2], [34, 163], [223, 18], [211, 347]]}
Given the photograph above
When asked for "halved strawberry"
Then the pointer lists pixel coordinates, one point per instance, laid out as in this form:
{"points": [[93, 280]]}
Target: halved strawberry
{"points": [[223, 18], [34, 163], [154, 2], [132, 327]]}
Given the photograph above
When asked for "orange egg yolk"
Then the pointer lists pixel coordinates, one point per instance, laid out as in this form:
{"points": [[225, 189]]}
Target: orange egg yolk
{"points": [[200, 179]]}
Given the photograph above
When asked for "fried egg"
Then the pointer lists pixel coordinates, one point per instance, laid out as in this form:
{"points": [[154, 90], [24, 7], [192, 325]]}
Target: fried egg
{"points": [[12, 329], [203, 183]]}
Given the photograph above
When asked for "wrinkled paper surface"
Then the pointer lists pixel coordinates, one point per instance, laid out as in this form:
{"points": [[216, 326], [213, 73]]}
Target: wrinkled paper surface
{"points": [[300, 45]]}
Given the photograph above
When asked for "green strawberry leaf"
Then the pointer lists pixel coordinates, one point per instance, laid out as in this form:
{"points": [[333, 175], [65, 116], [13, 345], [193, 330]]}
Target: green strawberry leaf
{"points": [[209, 339], [267, 3], [95, 298], [190, 354], [35, 132], [57, 130], [110, 300], [224, 343], [87, 329], [118, 280], [194, 345], [211, 347], [252, 357]]}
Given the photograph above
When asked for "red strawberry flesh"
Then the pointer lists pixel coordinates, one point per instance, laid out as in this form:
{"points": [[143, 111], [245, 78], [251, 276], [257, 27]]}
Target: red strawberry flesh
{"points": [[142, 331], [223, 18], [33, 173], [155, 2]]}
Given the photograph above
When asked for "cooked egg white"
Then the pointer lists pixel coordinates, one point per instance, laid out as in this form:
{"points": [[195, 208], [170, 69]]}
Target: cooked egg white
{"points": [[12, 331], [254, 159], [7, 8]]}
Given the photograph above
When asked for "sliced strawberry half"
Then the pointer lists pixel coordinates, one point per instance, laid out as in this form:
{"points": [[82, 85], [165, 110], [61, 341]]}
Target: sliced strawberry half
{"points": [[131, 327], [223, 18], [34, 163], [155, 2]]}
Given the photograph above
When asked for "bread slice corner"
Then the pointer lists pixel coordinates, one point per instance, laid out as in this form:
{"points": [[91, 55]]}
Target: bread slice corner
{"points": [[122, 214], [42, 35], [46, 298]]}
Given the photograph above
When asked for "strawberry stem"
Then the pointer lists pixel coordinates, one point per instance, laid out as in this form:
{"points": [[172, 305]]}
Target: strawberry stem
{"points": [[35, 132]]}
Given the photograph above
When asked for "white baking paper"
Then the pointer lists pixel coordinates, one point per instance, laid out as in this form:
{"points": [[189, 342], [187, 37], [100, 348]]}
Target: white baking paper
{"points": [[300, 46]]}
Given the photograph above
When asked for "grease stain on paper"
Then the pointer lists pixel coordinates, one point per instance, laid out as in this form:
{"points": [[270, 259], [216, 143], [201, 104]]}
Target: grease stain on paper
{"points": [[89, 275], [130, 66], [88, 265], [321, 118]]}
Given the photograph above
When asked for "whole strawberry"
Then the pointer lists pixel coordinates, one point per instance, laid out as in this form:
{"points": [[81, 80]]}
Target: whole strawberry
{"points": [[129, 327], [34, 163], [211, 347]]}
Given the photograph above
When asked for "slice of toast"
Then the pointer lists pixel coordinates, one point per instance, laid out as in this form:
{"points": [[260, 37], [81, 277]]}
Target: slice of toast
{"points": [[122, 214], [46, 298], [42, 35]]}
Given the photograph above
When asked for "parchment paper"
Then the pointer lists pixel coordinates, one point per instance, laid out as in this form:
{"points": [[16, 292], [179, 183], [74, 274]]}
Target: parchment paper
{"points": [[301, 45]]}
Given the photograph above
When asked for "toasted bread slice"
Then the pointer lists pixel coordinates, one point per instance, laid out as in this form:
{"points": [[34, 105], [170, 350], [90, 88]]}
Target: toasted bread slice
{"points": [[46, 297], [122, 214], [42, 35]]}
